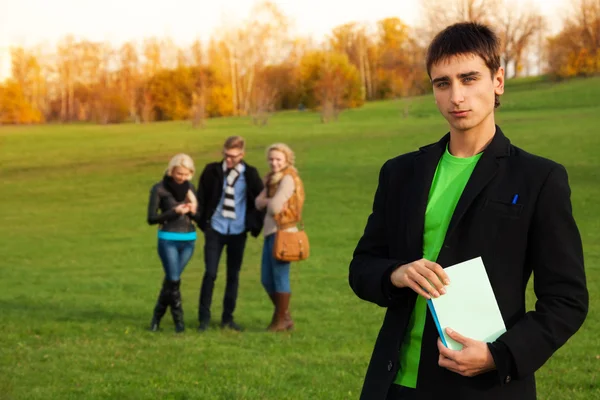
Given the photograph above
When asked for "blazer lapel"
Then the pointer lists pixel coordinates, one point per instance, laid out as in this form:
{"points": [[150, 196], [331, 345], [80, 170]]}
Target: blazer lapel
{"points": [[425, 165], [219, 180], [483, 173], [220, 173]]}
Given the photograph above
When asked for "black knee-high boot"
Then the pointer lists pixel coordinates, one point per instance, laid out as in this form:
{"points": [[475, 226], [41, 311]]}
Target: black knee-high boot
{"points": [[176, 307], [161, 306]]}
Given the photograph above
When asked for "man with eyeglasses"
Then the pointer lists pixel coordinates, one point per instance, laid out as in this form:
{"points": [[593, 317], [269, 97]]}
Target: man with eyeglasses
{"points": [[226, 213]]}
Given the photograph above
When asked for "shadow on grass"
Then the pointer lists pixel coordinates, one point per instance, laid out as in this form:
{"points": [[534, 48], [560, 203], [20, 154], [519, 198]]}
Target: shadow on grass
{"points": [[65, 312], [59, 313]]}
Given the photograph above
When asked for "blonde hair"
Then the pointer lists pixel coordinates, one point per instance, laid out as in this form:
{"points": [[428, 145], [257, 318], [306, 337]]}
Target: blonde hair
{"points": [[235, 142], [181, 160], [286, 150]]}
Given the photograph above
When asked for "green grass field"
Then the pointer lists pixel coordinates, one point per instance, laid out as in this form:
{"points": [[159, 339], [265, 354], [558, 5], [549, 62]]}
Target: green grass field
{"points": [[80, 271]]}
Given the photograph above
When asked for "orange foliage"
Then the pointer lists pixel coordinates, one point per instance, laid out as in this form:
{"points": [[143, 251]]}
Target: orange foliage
{"points": [[14, 108], [256, 68]]}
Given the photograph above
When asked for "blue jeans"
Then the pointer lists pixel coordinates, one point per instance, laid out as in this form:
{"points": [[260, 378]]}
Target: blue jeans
{"points": [[175, 254], [275, 274]]}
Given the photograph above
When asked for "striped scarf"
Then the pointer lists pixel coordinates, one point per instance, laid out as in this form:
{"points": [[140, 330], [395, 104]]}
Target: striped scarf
{"points": [[231, 176]]}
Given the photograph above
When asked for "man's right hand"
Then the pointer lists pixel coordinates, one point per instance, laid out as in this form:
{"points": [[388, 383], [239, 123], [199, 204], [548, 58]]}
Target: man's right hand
{"points": [[422, 276]]}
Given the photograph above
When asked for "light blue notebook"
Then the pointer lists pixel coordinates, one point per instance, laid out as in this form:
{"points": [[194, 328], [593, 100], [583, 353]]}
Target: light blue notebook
{"points": [[469, 306]]}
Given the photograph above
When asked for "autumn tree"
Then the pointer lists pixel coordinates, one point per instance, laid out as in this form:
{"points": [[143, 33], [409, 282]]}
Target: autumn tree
{"points": [[437, 14], [518, 26], [28, 72], [67, 69], [14, 107], [267, 43], [278, 85], [575, 50], [331, 83], [109, 105], [151, 65], [129, 77], [259, 42], [171, 93], [87, 81], [263, 97], [353, 40], [392, 39], [200, 87], [286, 78]]}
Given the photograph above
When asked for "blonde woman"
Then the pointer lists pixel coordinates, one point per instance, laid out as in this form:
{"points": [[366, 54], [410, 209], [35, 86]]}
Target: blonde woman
{"points": [[283, 199], [172, 206]]}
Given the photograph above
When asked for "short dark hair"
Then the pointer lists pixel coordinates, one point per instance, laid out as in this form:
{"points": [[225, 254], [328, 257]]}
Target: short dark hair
{"points": [[235, 142], [466, 38]]}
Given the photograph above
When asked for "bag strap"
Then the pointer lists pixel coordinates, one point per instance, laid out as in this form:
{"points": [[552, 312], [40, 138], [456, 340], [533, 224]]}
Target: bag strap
{"points": [[299, 223]]}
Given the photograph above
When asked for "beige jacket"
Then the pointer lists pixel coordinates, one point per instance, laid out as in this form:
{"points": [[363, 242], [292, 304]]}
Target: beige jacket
{"points": [[275, 204]]}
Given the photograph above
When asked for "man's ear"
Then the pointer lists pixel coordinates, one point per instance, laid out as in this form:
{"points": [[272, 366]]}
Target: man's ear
{"points": [[499, 81]]}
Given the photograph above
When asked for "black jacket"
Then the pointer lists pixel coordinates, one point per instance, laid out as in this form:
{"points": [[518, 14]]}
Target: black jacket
{"points": [[161, 199], [210, 190], [538, 234]]}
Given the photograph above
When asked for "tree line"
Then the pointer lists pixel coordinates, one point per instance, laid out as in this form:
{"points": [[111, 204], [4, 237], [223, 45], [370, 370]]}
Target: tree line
{"points": [[259, 67]]}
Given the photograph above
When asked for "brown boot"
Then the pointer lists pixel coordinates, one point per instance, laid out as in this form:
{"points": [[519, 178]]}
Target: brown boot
{"points": [[283, 320], [288, 316], [274, 301]]}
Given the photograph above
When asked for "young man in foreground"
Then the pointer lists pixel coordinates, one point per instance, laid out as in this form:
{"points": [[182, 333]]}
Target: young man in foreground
{"points": [[471, 194]]}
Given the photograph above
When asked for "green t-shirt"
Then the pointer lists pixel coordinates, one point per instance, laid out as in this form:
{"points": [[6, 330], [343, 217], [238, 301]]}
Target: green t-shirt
{"points": [[449, 181]]}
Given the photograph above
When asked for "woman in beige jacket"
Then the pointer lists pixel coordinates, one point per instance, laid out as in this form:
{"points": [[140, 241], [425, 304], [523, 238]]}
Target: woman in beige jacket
{"points": [[283, 198]]}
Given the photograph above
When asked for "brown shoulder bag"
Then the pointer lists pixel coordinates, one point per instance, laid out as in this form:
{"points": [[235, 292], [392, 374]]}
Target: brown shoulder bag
{"points": [[291, 246]]}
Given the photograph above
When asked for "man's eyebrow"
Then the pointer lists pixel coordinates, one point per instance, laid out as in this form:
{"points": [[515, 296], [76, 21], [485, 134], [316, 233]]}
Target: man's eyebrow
{"points": [[440, 79], [445, 78], [469, 74]]}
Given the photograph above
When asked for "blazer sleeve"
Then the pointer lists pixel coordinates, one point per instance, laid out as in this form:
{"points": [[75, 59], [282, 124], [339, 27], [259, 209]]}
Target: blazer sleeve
{"points": [[255, 184], [153, 216], [261, 201], [556, 256], [202, 189], [371, 265], [201, 194]]}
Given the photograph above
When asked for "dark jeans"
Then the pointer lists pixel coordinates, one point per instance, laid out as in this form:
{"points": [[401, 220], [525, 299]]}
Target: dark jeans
{"points": [[398, 392], [175, 254], [213, 247]]}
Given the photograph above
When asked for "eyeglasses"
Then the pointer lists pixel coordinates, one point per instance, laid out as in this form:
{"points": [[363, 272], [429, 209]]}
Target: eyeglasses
{"points": [[233, 156]]}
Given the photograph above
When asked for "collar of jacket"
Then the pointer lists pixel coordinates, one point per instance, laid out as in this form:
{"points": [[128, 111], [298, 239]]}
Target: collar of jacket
{"points": [[498, 147], [425, 164]]}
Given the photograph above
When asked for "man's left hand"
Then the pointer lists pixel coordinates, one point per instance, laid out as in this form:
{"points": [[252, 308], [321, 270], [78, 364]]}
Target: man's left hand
{"points": [[474, 358]]}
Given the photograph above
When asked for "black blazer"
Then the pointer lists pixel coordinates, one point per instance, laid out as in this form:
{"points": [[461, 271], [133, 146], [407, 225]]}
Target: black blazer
{"points": [[538, 234], [210, 189]]}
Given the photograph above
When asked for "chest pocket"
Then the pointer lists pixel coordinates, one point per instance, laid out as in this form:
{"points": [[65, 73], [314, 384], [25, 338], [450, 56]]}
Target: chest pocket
{"points": [[502, 209]]}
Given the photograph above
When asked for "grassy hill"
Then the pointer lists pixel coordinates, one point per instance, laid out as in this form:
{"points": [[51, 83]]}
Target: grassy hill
{"points": [[80, 272]]}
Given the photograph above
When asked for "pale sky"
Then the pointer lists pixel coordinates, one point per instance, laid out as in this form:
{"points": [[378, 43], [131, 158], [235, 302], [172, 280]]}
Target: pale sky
{"points": [[33, 22]]}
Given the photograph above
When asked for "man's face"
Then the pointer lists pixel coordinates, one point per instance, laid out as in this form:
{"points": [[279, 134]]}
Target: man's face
{"points": [[465, 90], [233, 157]]}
